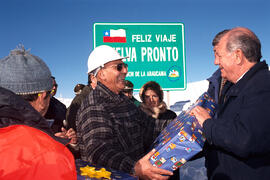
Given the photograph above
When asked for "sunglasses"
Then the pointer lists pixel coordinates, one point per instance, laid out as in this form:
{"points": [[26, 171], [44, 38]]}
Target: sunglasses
{"points": [[52, 91], [120, 66]]}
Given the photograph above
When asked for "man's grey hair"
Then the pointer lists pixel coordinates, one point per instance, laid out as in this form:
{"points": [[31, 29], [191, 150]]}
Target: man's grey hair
{"points": [[248, 42]]}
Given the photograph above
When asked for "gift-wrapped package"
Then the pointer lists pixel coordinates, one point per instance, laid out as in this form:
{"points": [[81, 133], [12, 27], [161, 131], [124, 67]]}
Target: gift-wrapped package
{"points": [[182, 138]]}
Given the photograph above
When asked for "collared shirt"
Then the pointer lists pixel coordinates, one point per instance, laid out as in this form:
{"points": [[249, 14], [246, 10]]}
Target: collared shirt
{"points": [[113, 132], [241, 76]]}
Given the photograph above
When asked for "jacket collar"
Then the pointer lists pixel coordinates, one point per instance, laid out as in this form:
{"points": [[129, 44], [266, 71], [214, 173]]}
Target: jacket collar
{"points": [[15, 110], [109, 93], [238, 87], [215, 78], [214, 82]]}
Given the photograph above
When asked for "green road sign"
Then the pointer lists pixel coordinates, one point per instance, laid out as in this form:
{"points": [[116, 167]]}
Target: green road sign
{"points": [[156, 51]]}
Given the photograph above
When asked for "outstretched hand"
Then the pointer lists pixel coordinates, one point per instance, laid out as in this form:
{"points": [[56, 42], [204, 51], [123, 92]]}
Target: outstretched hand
{"points": [[145, 170], [70, 134]]}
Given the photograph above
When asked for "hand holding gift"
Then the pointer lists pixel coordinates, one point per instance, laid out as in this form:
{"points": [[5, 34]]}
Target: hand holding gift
{"points": [[200, 114], [144, 169]]}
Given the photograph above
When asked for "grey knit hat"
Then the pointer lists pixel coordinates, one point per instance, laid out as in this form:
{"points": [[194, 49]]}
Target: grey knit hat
{"points": [[24, 73]]}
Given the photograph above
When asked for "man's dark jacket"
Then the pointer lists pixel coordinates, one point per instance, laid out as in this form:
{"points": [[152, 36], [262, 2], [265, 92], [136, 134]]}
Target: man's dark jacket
{"points": [[239, 137], [15, 110], [214, 85], [74, 107], [56, 111]]}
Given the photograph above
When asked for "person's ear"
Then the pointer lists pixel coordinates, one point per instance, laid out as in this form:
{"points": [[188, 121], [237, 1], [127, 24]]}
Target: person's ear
{"points": [[39, 101], [239, 56], [93, 79], [42, 103], [41, 96], [101, 75]]}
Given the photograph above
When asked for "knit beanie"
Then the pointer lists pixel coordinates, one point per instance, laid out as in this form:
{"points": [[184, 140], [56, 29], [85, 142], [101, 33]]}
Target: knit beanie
{"points": [[24, 73]]}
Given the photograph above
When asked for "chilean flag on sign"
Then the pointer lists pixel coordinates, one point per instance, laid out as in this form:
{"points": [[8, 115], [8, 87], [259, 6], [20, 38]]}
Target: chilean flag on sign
{"points": [[114, 36]]}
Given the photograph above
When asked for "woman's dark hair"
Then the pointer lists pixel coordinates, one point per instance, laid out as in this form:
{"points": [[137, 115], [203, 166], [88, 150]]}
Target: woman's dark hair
{"points": [[154, 86]]}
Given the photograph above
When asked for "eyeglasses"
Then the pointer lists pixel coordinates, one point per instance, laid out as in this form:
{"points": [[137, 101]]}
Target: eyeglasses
{"points": [[52, 91], [119, 66], [48, 93]]}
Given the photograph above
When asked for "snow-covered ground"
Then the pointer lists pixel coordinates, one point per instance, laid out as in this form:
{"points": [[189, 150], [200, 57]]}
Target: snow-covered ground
{"points": [[192, 92]]}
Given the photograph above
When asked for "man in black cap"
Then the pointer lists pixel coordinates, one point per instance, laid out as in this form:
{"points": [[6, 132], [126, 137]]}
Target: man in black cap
{"points": [[128, 91], [78, 88]]}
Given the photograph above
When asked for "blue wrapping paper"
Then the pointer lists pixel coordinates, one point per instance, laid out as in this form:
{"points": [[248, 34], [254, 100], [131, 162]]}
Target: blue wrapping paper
{"points": [[182, 138], [114, 176]]}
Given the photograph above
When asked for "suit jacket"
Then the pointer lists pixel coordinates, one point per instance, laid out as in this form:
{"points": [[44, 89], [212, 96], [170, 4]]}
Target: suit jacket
{"points": [[239, 136]]}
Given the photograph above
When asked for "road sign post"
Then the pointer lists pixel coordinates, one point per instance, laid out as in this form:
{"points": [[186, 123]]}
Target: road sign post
{"points": [[156, 51]]}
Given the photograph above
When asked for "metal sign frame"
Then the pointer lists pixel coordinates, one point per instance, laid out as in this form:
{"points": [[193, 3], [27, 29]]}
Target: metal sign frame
{"points": [[150, 41]]}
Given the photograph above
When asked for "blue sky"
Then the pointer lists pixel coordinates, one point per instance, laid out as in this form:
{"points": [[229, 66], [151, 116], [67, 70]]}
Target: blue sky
{"points": [[60, 31]]}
